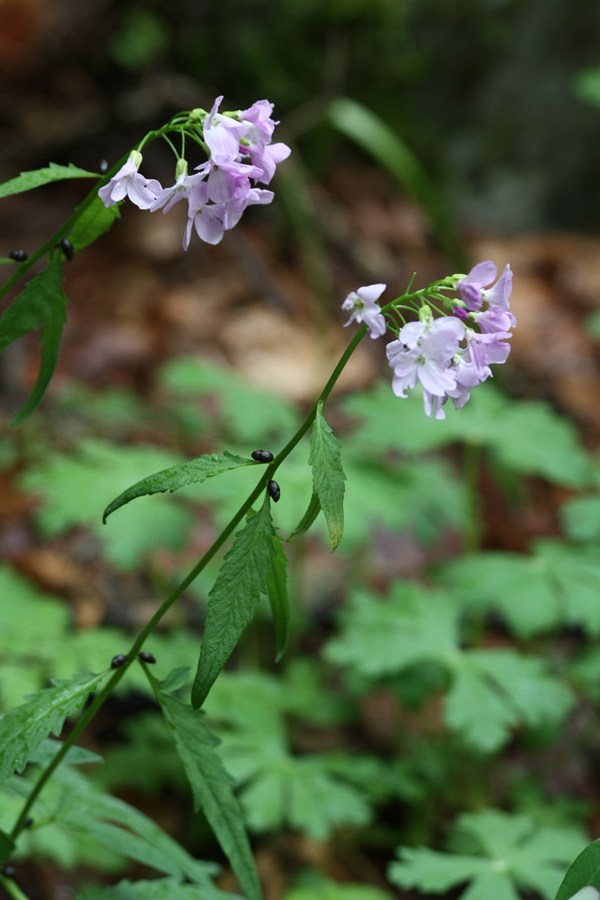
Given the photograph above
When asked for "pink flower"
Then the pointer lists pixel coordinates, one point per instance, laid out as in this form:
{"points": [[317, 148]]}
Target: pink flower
{"points": [[365, 308], [129, 183], [474, 288], [257, 140], [423, 353]]}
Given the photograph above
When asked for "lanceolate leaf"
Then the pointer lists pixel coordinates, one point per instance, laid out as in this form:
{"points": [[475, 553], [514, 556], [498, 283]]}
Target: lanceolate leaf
{"points": [[26, 181], [278, 597], [313, 510], [31, 307], [212, 788], [54, 321], [328, 476], [583, 872], [25, 727], [97, 817], [234, 597], [193, 472], [94, 221]]}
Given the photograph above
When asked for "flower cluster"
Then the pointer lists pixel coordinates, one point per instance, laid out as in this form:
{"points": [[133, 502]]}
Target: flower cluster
{"points": [[240, 157], [451, 354]]}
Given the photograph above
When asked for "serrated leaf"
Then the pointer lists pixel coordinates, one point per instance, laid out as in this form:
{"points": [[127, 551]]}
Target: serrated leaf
{"points": [[95, 220], [52, 327], [212, 788], [80, 806], [312, 511], [26, 181], [75, 488], [193, 472], [512, 584], [494, 690], [278, 597], [556, 583], [435, 872], [25, 727], [526, 436], [515, 853], [584, 871], [477, 710], [328, 476], [379, 636], [29, 310], [234, 598]]}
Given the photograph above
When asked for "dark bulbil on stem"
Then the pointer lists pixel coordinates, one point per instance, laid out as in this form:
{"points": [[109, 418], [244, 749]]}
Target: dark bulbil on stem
{"points": [[18, 255], [117, 661], [274, 491], [67, 248], [146, 657], [262, 456]]}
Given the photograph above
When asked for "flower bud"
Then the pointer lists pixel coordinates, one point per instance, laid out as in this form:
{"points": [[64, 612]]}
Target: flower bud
{"points": [[181, 168]]}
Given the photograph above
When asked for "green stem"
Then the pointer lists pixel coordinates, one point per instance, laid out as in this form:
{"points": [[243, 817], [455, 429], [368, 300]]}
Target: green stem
{"points": [[138, 643], [12, 889]]}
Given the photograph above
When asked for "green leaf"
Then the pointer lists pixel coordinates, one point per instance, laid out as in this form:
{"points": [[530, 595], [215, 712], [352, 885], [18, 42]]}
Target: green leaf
{"points": [[581, 518], [584, 871], [525, 436], [52, 327], [30, 309], [495, 690], [435, 872], [193, 472], [26, 181], [212, 788], [25, 727], [313, 510], [512, 584], [328, 476], [557, 583], [380, 636], [278, 597], [247, 414], [160, 889], [330, 890], [7, 845], [515, 853], [233, 599], [77, 804], [93, 221], [74, 488]]}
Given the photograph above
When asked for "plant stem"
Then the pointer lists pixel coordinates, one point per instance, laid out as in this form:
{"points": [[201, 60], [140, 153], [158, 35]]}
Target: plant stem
{"points": [[138, 643], [12, 889]]}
